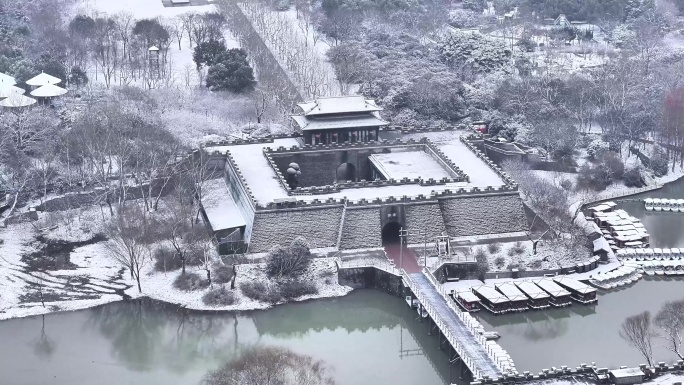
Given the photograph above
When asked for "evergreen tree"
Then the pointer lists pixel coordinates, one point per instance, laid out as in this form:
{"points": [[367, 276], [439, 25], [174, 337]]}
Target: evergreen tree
{"points": [[231, 72]]}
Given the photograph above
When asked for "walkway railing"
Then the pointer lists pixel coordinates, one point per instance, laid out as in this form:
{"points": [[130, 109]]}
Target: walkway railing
{"points": [[376, 263], [442, 325], [622, 193], [471, 323]]}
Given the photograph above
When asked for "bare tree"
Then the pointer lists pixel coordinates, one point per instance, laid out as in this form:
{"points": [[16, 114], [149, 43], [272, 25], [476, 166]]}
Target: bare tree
{"points": [[260, 104], [636, 330], [177, 28], [129, 241], [670, 326], [270, 366]]}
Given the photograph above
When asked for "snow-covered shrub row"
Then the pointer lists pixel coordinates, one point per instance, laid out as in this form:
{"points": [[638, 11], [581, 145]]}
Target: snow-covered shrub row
{"points": [[483, 215], [361, 229], [319, 226]]}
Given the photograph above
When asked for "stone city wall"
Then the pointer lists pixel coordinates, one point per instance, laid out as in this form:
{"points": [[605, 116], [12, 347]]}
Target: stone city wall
{"points": [[362, 228], [480, 215], [425, 217], [319, 226]]}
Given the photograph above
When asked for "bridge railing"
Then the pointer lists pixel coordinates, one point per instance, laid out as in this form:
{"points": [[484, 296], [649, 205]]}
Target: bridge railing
{"points": [[472, 324], [442, 325]]}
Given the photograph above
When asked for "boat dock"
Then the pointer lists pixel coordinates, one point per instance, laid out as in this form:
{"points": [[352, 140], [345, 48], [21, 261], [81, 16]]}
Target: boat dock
{"points": [[579, 292], [558, 297], [537, 298]]}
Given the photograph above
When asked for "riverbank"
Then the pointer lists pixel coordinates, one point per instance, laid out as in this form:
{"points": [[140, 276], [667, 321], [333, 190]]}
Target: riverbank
{"points": [[62, 263]]}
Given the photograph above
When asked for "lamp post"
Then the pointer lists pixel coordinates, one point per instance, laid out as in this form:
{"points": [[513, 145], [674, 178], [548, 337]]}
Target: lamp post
{"points": [[403, 234]]}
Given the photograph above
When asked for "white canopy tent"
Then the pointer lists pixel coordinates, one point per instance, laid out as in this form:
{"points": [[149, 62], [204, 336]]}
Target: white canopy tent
{"points": [[48, 91], [42, 79], [7, 90], [6, 80], [17, 100]]}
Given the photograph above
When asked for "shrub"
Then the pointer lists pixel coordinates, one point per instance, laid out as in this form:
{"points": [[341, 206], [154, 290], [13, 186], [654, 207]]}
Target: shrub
{"points": [[493, 248], [517, 249], [593, 177], [566, 184], [614, 164], [219, 297], [537, 264], [596, 147], [482, 263], [659, 161], [165, 259], [288, 261], [222, 273], [461, 18], [190, 282], [261, 292], [499, 262], [295, 289], [632, 177]]}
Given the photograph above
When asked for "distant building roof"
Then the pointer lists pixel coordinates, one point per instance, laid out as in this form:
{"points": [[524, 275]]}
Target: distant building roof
{"points": [[7, 80], [42, 79], [307, 123], [601, 244], [338, 105]]}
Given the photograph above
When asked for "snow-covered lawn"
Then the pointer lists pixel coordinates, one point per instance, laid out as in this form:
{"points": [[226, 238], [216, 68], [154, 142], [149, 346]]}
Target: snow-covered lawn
{"points": [[503, 256], [91, 277], [182, 66], [158, 285]]}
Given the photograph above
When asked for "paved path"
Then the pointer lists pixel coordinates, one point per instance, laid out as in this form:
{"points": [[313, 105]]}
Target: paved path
{"points": [[408, 261], [473, 349]]}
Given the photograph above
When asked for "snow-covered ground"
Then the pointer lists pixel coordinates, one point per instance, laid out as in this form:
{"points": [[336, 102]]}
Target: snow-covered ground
{"points": [[160, 286], [92, 277], [520, 254], [182, 67]]}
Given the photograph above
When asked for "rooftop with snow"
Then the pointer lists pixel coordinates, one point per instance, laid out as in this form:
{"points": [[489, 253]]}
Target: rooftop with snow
{"points": [[264, 183]]}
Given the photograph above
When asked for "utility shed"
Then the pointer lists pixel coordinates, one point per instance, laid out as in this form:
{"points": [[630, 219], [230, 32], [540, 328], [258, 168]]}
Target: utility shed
{"points": [[601, 248], [627, 376]]}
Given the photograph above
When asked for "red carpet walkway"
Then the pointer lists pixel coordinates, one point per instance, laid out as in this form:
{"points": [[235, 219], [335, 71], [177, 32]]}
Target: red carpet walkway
{"points": [[409, 263]]}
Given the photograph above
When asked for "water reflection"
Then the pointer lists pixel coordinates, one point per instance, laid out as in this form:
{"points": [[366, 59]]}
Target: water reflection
{"points": [[152, 343], [43, 345], [665, 228], [577, 334], [145, 335]]}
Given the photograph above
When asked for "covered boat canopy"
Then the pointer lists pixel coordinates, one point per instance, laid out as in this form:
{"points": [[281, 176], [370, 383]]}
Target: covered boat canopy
{"points": [[511, 291], [531, 290], [48, 91], [17, 100], [574, 285], [43, 79], [552, 287], [468, 296], [490, 294]]}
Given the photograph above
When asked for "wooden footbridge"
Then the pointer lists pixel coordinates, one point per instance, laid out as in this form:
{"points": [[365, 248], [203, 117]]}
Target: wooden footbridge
{"points": [[484, 359]]}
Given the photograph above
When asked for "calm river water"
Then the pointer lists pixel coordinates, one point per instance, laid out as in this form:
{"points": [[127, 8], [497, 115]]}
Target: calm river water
{"points": [[142, 342], [579, 334]]}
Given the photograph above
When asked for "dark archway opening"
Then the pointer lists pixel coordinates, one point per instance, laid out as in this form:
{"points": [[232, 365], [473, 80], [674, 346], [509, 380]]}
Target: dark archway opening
{"points": [[345, 172], [390, 233]]}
